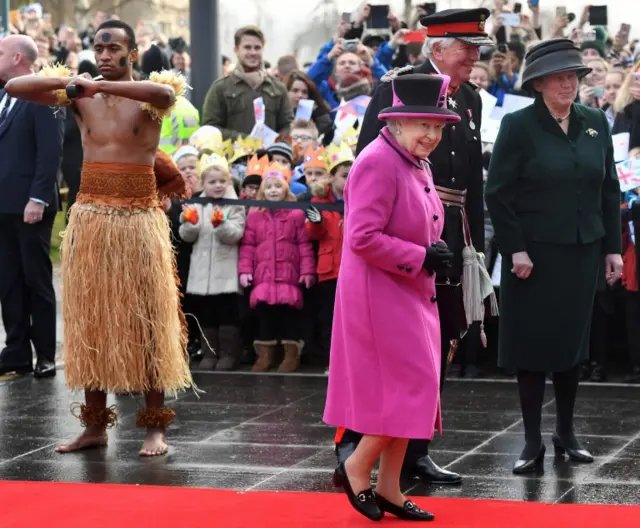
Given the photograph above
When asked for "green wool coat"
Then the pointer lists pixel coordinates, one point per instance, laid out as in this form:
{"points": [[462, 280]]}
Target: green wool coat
{"points": [[557, 197]]}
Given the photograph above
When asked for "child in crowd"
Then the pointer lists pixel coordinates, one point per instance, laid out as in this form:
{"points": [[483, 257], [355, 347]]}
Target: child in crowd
{"points": [[630, 274], [253, 178], [276, 258], [327, 228], [304, 134], [314, 169], [215, 232]]}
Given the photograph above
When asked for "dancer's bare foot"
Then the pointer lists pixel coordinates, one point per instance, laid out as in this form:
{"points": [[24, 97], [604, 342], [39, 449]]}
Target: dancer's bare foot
{"points": [[155, 443], [91, 437]]}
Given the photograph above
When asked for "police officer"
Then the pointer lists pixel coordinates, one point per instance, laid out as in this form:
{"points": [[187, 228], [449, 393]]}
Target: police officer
{"points": [[179, 126], [454, 37]]}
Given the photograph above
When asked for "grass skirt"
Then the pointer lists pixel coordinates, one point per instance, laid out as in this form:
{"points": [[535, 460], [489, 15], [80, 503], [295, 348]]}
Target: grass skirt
{"points": [[123, 327]]}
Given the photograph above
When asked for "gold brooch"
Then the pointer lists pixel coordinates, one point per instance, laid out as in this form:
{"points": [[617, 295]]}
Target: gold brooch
{"points": [[481, 23], [592, 132]]}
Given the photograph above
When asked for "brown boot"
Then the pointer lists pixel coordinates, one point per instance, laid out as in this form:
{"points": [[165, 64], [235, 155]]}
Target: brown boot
{"points": [[265, 351], [230, 348], [291, 361]]}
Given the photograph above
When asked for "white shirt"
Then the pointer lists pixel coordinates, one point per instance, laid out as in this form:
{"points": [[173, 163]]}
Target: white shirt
{"points": [[4, 102]]}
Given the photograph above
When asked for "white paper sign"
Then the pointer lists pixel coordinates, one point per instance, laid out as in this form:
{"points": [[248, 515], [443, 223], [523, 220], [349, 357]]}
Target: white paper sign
{"points": [[305, 109], [628, 174], [344, 121], [511, 102], [259, 109], [263, 132], [620, 146], [491, 125], [488, 103], [496, 274]]}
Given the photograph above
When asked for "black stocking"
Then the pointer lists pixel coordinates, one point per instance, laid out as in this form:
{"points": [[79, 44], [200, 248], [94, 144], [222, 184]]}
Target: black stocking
{"points": [[531, 387], [565, 385]]}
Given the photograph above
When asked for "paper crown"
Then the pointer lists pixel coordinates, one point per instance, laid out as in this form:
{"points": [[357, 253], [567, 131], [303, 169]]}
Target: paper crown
{"points": [[277, 170], [224, 149], [337, 155], [314, 159], [212, 160], [257, 166], [351, 136], [244, 147]]}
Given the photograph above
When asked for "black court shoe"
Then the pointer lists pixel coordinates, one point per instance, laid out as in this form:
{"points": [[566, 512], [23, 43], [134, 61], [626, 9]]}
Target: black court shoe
{"points": [[364, 502], [408, 512], [530, 466], [575, 455]]}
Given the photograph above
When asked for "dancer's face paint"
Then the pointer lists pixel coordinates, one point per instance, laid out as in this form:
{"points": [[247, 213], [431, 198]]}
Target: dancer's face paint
{"points": [[106, 37], [123, 61]]}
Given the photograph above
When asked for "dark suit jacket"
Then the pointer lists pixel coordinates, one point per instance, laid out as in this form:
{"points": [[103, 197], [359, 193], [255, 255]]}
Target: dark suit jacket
{"points": [[550, 187], [456, 162], [31, 152]]}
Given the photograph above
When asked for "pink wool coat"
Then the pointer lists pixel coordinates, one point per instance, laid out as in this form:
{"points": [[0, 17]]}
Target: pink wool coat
{"points": [[276, 250], [384, 372]]}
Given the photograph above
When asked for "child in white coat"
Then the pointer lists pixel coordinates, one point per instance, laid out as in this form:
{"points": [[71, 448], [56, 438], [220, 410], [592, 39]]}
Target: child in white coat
{"points": [[215, 231]]}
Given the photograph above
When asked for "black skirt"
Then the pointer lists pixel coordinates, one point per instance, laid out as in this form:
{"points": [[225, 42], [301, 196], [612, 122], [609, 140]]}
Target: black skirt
{"points": [[545, 320]]}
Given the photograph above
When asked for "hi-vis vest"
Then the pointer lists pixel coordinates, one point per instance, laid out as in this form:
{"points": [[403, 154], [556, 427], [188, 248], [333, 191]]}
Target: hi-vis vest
{"points": [[179, 126]]}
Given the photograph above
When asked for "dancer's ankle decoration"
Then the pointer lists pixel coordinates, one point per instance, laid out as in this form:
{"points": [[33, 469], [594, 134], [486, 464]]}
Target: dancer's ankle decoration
{"points": [[95, 416], [155, 418]]}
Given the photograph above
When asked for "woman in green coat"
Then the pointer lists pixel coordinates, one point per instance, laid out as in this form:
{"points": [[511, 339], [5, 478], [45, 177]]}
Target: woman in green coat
{"points": [[554, 200]]}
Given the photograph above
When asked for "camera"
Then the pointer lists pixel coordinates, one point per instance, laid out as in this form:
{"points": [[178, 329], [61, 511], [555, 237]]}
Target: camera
{"points": [[350, 45]]}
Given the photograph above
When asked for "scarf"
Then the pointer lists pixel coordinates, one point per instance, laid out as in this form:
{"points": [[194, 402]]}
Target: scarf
{"points": [[253, 78]]}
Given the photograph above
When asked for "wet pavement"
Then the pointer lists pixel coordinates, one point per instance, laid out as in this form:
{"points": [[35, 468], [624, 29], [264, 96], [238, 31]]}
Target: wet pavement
{"points": [[265, 432]]}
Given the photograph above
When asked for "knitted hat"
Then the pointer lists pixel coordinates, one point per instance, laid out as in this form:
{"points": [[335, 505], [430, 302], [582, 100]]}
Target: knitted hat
{"points": [[597, 45], [282, 148]]}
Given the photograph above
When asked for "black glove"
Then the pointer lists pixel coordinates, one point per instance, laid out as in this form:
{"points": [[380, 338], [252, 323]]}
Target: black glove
{"points": [[438, 258], [313, 215]]}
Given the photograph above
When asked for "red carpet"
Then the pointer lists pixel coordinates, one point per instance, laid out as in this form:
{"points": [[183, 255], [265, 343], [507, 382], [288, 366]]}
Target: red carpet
{"points": [[53, 505]]}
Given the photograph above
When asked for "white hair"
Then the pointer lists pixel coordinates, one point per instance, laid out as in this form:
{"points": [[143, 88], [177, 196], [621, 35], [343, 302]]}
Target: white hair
{"points": [[427, 48]]}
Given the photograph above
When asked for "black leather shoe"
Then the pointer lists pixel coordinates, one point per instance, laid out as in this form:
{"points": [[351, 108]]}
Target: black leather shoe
{"points": [[530, 466], [44, 369], [408, 512], [575, 455], [364, 502], [598, 374], [344, 450], [428, 471], [6, 368]]}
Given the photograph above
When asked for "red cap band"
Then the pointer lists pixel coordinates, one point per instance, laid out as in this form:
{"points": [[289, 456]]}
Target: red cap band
{"points": [[469, 28]]}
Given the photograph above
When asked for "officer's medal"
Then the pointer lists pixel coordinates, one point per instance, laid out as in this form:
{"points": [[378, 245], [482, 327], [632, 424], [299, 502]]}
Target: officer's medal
{"points": [[472, 125]]}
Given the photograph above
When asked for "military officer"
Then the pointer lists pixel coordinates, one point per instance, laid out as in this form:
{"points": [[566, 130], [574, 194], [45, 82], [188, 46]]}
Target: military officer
{"points": [[453, 39]]}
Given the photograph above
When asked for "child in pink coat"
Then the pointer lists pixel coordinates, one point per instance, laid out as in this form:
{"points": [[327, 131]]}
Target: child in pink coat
{"points": [[276, 259]]}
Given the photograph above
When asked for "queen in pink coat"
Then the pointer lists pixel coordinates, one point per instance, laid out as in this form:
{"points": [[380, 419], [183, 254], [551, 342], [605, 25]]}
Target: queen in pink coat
{"points": [[385, 352]]}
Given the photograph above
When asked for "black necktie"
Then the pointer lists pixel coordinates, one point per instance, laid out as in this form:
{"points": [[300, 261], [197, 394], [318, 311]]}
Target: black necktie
{"points": [[5, 110]]}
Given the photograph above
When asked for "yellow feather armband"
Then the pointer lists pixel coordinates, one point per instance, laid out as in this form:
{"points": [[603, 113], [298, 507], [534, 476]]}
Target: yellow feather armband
{"points": [[173, 79], [57, 70]]}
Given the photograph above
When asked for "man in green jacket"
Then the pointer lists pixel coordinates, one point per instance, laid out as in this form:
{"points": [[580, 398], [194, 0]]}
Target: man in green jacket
{"points": [[229, 102]]}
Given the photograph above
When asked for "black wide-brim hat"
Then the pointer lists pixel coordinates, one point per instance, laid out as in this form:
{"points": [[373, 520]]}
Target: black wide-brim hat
{"points": [[466, 25], [419, 95], [552, 56]]}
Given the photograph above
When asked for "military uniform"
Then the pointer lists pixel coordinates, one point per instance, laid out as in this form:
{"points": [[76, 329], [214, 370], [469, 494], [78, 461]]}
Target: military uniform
{"points": [[228, 106], [457, 166], [457, 174]]}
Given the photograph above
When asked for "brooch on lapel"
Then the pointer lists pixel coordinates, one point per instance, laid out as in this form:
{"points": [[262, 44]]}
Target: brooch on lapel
{"points": [[592, 132]]}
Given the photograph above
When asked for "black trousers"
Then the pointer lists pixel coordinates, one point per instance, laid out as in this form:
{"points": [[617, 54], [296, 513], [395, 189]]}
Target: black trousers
{"points": [[27, 296], [216, 310], [632, 316], [278, 322], [325, 302]]}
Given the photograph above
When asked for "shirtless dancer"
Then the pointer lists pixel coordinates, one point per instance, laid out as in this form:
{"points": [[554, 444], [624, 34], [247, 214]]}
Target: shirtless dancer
{"points": [[124, 331]]}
